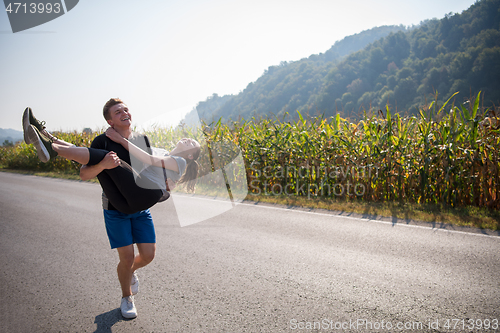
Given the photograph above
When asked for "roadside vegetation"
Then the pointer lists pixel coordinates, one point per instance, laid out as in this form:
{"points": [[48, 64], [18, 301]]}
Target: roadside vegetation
{"points": [[441, 166]]}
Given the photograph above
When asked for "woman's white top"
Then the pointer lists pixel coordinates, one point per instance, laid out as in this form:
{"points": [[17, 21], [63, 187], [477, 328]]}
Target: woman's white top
{"points": [[157, 175]]}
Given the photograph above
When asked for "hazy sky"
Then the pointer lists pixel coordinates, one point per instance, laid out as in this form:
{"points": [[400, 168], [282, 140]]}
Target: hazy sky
{"points": [[162, 57]]}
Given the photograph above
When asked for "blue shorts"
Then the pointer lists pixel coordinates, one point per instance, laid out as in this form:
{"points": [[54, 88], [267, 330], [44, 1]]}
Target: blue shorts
{"points": [[126, 229]]}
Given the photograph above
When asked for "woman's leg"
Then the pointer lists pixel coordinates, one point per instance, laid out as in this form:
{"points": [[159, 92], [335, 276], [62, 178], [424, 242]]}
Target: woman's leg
{"points": [[120, 187], [68, 150], [56, 140], [72, 152]]}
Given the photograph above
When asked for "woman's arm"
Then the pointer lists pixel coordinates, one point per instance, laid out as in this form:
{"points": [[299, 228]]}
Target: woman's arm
{"points": [[168, 162]]}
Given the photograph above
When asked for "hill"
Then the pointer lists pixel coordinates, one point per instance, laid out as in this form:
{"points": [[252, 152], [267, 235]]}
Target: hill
{"points": [[460, 52], [287, 85], [10, 135], [385, 65]]}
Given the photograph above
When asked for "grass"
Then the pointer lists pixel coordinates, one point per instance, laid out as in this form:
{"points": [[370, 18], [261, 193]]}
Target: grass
{"points": [[469, 216]]}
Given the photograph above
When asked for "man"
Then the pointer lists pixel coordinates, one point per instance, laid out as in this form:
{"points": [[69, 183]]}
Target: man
{"points": [[123, 229]]}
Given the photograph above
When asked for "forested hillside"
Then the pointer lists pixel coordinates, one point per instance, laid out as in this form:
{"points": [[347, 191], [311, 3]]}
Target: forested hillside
{"points": [[460, 52], [289, 84]]}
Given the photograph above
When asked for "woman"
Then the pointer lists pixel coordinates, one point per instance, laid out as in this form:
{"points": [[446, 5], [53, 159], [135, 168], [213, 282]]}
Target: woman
{"points": [[123, 190]]}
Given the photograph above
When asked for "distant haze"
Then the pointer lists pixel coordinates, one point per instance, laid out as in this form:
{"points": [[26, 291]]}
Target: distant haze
{"points": [[166, 56]]}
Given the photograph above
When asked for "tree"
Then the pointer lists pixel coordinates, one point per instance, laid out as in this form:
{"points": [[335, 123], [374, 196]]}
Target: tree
{"points": [[7, 143]]}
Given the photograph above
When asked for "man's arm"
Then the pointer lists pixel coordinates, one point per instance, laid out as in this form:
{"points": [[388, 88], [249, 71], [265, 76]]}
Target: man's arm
{"points": [[110, 161]]}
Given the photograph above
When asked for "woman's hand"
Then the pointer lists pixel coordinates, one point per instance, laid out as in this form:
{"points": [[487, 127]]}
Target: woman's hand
{"points": [[115, 136]]}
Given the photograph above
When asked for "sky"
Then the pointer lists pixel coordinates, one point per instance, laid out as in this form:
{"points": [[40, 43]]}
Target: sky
{"points": [[163, 57]]}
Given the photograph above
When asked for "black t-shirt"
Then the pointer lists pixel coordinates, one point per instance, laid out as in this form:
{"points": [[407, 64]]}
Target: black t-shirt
{"points": [[103, 142]]}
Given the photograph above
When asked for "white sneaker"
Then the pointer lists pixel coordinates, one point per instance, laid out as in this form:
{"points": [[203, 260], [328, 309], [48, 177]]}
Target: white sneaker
{"points": [[128, 307], [134, 284]]}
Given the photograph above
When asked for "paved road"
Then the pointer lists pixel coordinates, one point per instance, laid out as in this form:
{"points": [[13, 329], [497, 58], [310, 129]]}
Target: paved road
{"points": [[251, 269]]}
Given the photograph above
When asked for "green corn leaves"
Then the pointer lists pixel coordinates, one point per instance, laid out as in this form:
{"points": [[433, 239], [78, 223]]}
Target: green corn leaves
{"points": [[450, 157]]}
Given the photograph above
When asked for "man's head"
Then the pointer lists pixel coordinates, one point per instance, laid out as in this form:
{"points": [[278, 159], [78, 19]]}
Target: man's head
{"points": [[117, 114], [109, 104]]}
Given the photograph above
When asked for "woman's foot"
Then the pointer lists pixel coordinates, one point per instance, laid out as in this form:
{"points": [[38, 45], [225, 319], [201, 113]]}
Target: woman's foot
{"points": [[43, 145], [29, 119]]}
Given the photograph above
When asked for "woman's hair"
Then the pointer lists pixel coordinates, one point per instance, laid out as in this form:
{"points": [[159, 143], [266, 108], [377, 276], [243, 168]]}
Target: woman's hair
{"points": [[191, 174], [109, 104]]}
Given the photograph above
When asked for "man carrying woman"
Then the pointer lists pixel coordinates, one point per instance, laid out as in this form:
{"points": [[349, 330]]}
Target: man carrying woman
{"points": [[126, 197]]}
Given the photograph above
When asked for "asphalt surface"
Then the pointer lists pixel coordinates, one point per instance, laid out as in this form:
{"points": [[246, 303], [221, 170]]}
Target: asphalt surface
{"points": [[253, 268]]}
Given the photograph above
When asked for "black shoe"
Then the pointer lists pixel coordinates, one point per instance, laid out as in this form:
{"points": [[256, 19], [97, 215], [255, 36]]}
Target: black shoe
{"points": [[43, 145], [29, 119]]}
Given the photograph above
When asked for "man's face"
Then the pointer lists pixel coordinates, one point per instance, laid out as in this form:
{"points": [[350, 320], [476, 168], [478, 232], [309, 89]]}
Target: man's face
{"points": [[120, 116]]}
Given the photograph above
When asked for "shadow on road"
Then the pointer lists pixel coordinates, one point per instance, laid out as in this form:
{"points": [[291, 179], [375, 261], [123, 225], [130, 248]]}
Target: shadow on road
{"points": [[106, 320]]}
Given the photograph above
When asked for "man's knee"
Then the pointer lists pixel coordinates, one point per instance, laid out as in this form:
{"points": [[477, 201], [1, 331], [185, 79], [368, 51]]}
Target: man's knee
{"points": [[147, 251], [126, 255], [148, 257]]}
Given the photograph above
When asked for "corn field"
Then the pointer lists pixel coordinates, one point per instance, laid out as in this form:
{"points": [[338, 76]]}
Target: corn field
{"points": [[446, 155], [443, 156], [24, 157]]}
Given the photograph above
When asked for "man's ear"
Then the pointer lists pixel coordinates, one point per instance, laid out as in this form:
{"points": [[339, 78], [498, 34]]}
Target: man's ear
{"points": [[110, 122]]}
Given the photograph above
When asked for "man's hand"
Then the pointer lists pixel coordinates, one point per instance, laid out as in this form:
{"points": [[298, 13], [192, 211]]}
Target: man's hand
{"points": [[110, 161], [170, 184]]}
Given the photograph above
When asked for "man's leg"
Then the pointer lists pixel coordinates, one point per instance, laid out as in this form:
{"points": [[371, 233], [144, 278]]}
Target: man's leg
{"points": [[124, 268], [118, 228], [129, 229], [130, 263], [127, 306], [144, 235], [146, 254]]}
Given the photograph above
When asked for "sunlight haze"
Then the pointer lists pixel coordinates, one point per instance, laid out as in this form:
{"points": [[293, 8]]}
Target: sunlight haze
{"points": [[165, 57]]}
